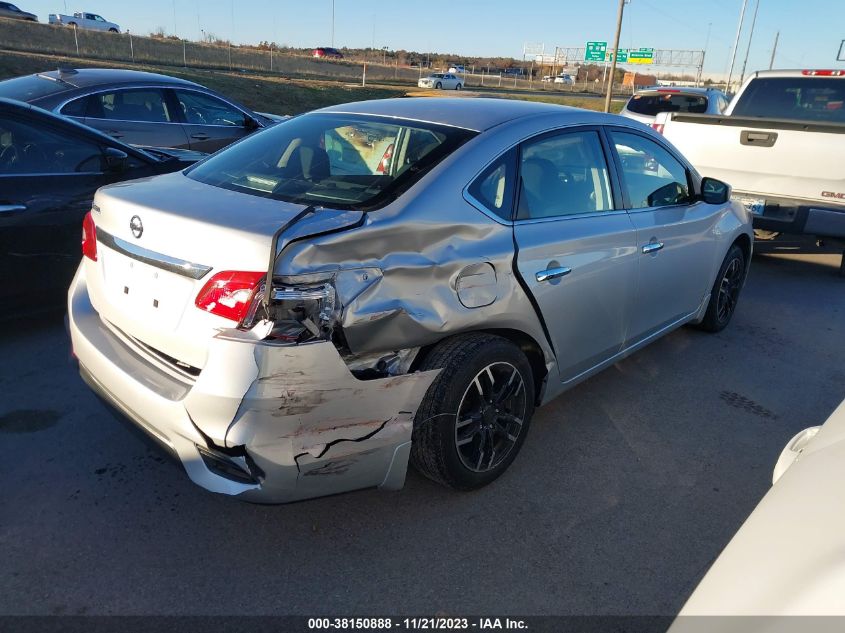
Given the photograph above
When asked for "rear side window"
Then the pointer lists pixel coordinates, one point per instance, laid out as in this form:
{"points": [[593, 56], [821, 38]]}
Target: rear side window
{"points": [[494, 188], [653, 177], [341, 161], [803, 98], [76, 107], [654, 104], [146, 104]]}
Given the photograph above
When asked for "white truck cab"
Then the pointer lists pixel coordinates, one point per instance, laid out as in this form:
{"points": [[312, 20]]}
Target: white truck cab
{"points": [[84, 20]]}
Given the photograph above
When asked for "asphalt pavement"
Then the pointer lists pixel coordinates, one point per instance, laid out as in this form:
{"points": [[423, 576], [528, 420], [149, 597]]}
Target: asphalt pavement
{"points": [[627, 488]]}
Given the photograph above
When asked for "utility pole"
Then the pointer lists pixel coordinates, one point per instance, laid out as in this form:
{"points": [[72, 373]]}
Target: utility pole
{"points": [[750, 37], [774, 50], [736, 45], [332, 23], [613, 53]]}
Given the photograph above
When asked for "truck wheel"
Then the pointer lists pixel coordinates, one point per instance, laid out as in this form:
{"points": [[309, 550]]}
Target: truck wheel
{"points": [[475, 415], [725, 292], [765, 236]]}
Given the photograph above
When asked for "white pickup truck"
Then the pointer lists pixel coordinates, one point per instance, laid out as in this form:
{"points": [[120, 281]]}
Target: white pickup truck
{"points": [[84, 20], [781, 145]]}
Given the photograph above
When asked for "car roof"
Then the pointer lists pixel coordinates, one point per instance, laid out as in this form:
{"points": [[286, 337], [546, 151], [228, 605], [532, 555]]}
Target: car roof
{"points": [[470, 113], [87, 77]]}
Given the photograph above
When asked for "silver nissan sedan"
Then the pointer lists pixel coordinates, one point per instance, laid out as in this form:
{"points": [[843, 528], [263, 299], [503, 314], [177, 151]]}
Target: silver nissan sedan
{"points": [[395, 281]]}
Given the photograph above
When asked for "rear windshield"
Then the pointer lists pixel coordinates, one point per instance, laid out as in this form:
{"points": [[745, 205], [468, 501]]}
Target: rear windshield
{"points": [[30, 88], [803, 98], [654, 104], [335, 160]]}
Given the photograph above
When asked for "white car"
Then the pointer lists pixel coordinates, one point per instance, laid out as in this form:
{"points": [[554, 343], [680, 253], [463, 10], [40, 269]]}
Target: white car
{"points": [[84, 20], [646, 104], [564, 79], [441, 81], [787, 558], [458, 70]]}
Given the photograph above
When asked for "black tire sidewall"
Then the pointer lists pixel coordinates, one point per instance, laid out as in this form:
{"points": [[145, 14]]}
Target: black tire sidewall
{"points": [[454, 380], [712, 321]]}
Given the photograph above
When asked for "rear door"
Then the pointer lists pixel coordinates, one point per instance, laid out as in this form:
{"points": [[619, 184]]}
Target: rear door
{"points": [[47, 182], [138, 116], [674, 233], [576, 247], [210, 122]]}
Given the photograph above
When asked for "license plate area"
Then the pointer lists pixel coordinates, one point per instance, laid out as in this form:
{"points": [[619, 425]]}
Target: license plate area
{"points": [[145, 292], [755, 206]]}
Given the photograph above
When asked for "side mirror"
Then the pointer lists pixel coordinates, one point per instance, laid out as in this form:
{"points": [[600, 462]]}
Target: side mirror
{"points": [[715, 191], [115, 159], [250, 123]]}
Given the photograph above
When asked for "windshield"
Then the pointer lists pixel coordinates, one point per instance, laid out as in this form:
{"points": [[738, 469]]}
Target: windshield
{"points": [[803, 98], [338, 160], [654, 104], [31, 87]]}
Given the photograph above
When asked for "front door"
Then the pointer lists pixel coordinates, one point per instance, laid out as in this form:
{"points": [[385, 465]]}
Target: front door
{"points": [[576, 248], [674, 234], [211, 123]]}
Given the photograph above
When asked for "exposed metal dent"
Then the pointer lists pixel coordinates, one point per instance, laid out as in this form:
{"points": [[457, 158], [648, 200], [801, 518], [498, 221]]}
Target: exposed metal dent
{"points": [[304, 419]]}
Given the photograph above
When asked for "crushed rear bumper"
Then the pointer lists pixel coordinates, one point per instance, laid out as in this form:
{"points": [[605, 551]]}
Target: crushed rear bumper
{"points": [[268, 423]]}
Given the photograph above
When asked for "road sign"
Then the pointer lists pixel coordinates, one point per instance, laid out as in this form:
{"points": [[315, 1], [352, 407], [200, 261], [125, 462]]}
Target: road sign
{"points": [[531, 48], [595, 51], [621, 56], [641, 56]]}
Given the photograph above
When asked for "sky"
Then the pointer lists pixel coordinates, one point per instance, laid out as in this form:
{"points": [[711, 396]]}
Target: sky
{"points": [[810, 30]]}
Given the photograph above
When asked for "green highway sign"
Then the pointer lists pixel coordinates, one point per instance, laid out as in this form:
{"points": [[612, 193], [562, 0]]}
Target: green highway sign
{"points": [[641, 56], [595, 51], [621, 56]]}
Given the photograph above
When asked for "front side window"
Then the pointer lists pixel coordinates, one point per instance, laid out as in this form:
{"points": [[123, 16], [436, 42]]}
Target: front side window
{"points": [[203, 109], [142, 104], [335, 160], [653, 177], [562, 175], [28, 148]]}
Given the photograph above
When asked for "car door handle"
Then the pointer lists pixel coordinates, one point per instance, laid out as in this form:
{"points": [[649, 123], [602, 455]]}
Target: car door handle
{"points": [[200, 136], [552, 273], [12, 208], [758, 139], [652, 247]]}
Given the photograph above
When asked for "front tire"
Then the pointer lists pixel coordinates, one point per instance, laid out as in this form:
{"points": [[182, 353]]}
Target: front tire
{"points": [[475, 415], [439, 86], [725, 292], [458, 86], [112, 30]]}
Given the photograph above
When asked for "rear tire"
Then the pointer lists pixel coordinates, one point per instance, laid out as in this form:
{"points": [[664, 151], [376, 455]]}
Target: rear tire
{"points": [[475, 415], [458, 86], [725, 293], [439, 86], [113, 31]]}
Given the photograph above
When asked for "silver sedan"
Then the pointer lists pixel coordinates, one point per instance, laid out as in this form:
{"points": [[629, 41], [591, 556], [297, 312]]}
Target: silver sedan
{"points": [[393, 281]]}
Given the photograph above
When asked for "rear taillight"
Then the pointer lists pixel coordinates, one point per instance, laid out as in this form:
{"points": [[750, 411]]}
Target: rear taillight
{"points": [[229, 294], [384, 163], [657, 127], [89, 237]]}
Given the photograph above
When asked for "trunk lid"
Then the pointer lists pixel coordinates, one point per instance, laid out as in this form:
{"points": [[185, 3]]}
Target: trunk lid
{"points": [[159, 240]]}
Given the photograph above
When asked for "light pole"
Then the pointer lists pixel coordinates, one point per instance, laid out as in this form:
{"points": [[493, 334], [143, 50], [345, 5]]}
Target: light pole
{"points": [[332, 23], [609, 92], [736, 45], [750, 37], [384, 56]]}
